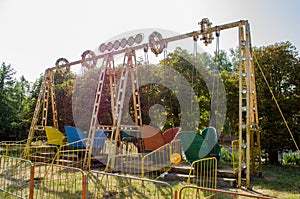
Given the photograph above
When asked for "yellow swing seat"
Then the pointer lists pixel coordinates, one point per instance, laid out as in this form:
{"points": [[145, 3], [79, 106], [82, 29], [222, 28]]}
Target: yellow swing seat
{"points": [[54, 136]]}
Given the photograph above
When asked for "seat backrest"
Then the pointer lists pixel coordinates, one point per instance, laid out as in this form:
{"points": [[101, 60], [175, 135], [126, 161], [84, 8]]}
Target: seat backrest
{"points": [[152, 137], [75, 135], [210, 135], [191, 143], [171, 134], [54, 136], [99, 139]]}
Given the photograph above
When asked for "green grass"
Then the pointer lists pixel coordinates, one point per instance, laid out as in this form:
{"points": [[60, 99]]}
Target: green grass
{"points": [[6, 196], [279, 182]]}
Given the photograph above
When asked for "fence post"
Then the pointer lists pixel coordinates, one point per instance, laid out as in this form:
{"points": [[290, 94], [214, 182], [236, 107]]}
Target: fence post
{"points": [[31, 190], [84, 185], [6, 149], [175, 194]]}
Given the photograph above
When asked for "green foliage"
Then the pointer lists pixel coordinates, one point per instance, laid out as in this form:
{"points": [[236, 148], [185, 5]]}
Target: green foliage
{"points": [[14, 104], [23, 117], [64, 85], [281, 66], [84, 93], [230, 82], [291, 159], [6, 98], [193, 69], [226, 156], [154, 94]]}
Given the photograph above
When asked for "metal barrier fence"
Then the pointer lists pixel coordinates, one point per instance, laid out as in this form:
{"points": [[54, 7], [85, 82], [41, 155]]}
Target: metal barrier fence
{"points": [[39, 140], [156, 162], [79, 144], [19, 178], [126, 164], [203, 173], [16, 177], [43, 153], [56, 181], [99, 149], [72, 154], [103, 150], [71, 158], [12, 148], [196, 192], [109, 185], [150, 166], [175, 147]]}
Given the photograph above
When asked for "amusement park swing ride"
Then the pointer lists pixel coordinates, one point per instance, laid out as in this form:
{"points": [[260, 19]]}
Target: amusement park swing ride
{"points": [[249, 135]]}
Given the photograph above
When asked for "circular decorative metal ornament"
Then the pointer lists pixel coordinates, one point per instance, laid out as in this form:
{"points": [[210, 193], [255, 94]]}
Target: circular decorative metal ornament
{"points": [[116, 44], [62, 65], [130, 41], [139, 38], [123, 43], [156, 43], [109, 46], [88, 59], [102, 48]]}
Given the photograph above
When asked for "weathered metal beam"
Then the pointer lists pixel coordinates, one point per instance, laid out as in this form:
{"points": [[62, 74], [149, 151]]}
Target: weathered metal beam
{"points": [[166, 40]]}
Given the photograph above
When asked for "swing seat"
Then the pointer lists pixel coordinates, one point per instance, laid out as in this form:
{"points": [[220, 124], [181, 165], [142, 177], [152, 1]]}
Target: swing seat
{"points": [[197, 146], [128, 136], [211, 137], [54, 136], [171, 134], [75, 135], [210, 134], [153, 138]]}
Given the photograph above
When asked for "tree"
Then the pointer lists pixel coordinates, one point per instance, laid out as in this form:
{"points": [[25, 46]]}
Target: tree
{"points": [[63, 85], [83, 100], [23, 116], [230, 80], [227, 66], [14, 109], [281, 67], [7, 82], [196, 70]]}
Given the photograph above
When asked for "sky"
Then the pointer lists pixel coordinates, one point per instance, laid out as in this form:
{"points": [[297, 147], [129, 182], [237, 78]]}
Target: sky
{"points": [[35, 33]]}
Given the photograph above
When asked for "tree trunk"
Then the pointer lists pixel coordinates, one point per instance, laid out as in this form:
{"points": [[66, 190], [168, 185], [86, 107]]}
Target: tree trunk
{"points": [[273, 157]]}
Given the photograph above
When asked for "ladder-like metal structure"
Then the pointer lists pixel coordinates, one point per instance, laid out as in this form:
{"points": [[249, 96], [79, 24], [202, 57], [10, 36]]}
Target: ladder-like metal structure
{"points": [[46, 92], [249, 135], [107, 68], [129, 66], [117, 103], [249, 151]]}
